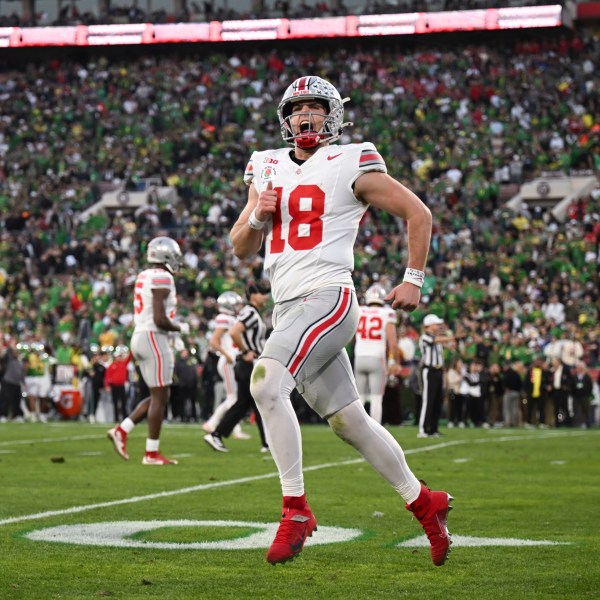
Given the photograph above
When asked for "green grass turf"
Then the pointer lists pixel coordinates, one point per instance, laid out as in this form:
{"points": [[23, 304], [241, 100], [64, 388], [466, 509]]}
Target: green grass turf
{"points": [[534, 485]]}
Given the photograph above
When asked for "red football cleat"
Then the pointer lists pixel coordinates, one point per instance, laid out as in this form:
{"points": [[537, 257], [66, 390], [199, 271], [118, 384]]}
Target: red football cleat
{"points": [[431, 509], [297, 523], [118, 437], [154, 458]]}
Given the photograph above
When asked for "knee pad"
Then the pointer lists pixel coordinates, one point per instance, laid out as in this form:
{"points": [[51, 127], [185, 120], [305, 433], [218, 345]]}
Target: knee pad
{"points": [[270, 381], [348, 422]]}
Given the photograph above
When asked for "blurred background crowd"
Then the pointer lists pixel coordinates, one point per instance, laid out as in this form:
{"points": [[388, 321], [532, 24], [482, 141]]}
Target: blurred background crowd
{"points": [[461, 125], [92, 12]]}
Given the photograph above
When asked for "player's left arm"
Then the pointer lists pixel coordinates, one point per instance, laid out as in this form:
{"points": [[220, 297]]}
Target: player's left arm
{"points": [[384, 192]]}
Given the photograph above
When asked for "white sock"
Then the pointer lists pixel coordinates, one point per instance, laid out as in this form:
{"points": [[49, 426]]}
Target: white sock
{"points": [[378, 446], [152, 445], [127, 425], [271, 387], [216, 417]]}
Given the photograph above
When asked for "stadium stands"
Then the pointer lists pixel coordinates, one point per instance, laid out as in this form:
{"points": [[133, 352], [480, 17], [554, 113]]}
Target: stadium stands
{"points": [[462, 124]]}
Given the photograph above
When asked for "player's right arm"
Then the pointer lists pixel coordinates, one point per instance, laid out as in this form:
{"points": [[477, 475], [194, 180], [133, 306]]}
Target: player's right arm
{"points": [[245, 240], [215, 343]]}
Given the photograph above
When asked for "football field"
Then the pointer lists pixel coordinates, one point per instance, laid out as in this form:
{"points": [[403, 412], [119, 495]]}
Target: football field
{"points": [[76, 521]]}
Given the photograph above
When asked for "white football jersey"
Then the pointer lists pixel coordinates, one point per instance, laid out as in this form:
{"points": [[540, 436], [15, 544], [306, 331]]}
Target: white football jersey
{"points": [[371, 334], [225, 321], [310, 238], [148, 280]]}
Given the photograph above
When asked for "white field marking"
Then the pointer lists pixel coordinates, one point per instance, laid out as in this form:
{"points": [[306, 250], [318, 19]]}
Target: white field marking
{"points": [[7, 451], [467, 540], [219, 484], [543, 435], [73, 438], [187, 490], [558, 462], [461, 460], [117, 534]]}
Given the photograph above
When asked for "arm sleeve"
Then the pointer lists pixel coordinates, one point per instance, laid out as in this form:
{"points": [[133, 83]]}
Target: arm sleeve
{"points": [[368, 160], [250, 170], [391, 317], [247, 317], [161, 280]]}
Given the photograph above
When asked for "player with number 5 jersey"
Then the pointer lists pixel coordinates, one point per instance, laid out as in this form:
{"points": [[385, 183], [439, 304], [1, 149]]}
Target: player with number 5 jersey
{"points": [[305, 204], [154, 307]]}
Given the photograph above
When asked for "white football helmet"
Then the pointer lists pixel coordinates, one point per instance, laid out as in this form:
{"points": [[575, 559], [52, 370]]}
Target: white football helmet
{"points": [[230, 303], [165, 251], [375, 295], [312, 87]]}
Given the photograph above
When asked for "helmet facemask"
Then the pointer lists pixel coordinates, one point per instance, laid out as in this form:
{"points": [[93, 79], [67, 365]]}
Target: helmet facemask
{"points": [[307, 89], [309, 137]]}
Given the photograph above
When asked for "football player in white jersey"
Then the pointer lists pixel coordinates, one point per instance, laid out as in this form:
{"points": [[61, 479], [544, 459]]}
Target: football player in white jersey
{"points": [[375, 340], [220, 341], [154, 306], [306, 204]]}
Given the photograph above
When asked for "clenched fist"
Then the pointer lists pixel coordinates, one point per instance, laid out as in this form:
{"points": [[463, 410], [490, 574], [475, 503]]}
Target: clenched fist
{"points": [[405, 296], [267, 203]]}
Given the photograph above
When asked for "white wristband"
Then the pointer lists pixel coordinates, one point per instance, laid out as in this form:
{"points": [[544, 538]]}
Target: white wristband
{"points": [[414, 276], [254, 223]]}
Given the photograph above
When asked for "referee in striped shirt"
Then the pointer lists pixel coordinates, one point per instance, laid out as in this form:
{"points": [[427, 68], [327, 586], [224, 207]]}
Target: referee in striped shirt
{"points": [[432, 365], [249, 335]]}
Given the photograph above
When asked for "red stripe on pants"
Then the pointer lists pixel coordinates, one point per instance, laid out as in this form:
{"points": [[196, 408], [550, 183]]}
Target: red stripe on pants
{"points": [[315, 333], [161, 382]]}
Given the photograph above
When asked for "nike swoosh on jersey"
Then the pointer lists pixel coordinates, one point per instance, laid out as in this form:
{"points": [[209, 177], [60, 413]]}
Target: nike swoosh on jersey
{"points": [[334, 156]]}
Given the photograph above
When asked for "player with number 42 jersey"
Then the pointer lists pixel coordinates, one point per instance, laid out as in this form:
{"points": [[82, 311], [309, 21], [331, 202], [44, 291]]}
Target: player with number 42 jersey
{"points": [[310, 239], [375, 339]]}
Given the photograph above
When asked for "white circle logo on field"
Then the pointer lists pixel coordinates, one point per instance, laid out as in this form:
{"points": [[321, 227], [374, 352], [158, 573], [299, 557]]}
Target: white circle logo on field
{"points": [[117, 534]]}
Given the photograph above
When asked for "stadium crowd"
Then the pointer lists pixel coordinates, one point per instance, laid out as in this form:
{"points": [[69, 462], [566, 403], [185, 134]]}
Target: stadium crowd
{"points": [[457, 125]]}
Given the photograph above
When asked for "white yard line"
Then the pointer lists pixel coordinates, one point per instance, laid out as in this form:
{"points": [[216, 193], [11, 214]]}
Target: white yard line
{"points": [[70, 438], [209, 486]]}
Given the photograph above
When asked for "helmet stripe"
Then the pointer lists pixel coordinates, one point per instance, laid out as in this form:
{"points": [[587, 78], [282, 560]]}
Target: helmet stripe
{"points": [[302, 84]]}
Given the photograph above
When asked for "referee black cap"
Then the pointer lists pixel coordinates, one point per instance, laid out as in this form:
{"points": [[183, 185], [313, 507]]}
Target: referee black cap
{"points": [[258, 287]]}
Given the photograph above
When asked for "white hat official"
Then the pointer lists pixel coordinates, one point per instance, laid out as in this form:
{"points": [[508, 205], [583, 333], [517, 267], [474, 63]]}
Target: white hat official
{"points": [[432, 319]]}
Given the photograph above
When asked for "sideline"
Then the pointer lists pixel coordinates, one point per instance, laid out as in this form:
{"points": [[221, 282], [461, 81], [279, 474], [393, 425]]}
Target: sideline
{"points": [[219, 484]]}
